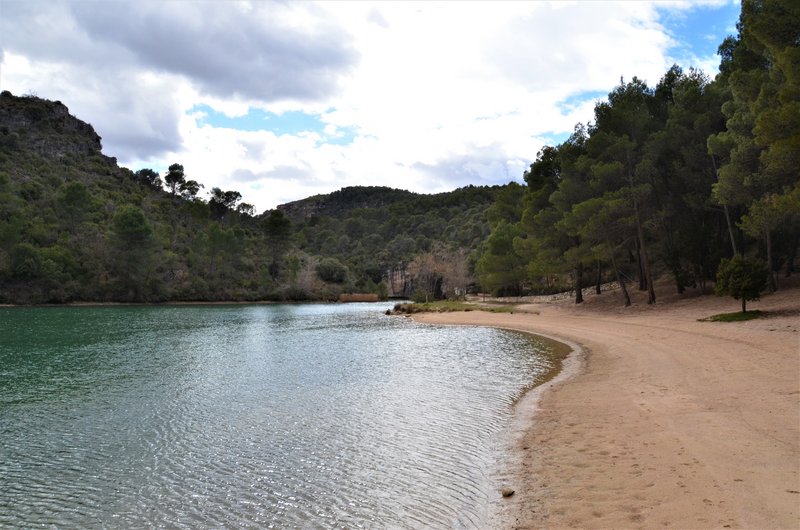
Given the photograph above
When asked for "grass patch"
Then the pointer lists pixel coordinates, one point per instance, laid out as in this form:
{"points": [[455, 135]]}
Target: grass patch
{"points": [[734, 317], [442, 306], [447, 306], [499, 309]]}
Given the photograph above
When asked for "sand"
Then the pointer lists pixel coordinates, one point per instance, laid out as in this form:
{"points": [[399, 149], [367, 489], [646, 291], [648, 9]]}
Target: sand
{"points": [[658, 420]]}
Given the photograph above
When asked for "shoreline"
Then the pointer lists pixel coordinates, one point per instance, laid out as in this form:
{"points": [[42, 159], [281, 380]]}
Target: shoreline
{"points": [[194, 303], [658, 419]]}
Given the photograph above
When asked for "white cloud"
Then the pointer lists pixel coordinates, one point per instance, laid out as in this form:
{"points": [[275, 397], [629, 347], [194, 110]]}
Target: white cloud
{"points": [[438, 95]]}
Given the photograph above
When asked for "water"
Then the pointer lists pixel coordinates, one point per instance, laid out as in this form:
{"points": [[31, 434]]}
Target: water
{"points": [[284, 416]]}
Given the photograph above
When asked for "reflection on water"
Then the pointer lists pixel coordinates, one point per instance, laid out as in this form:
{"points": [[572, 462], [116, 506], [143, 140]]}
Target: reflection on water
{"points": [[312, 416]]}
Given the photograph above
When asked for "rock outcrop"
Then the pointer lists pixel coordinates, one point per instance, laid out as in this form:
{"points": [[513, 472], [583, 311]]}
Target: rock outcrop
{"points": [[45, 127]]}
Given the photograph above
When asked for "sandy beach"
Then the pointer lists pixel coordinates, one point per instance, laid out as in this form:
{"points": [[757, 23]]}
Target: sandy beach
{"points": [[658, 420]]}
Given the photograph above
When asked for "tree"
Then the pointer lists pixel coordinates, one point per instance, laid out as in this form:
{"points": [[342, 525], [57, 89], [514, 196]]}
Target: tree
{"points": [[222, 201], [246, 209], [599, 221], [500, 269], [26, 261], [507, 206], [331, 270], [382, 291], [174, 178], [768, 214], [148, 177], [742, 278], [132, 259], [189, 189], [622, 128], [761, 69], [75, 202]]}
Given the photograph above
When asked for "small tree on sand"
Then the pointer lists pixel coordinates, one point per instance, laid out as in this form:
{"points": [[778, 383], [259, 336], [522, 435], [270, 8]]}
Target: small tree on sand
{"points": [[742, 278]]}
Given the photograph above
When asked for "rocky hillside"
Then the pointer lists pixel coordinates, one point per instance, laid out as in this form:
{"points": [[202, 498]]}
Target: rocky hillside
{"points": [[45, 128]]}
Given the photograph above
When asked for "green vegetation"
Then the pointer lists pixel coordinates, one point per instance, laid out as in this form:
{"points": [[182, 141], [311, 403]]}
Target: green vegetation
{"points": [[76, 227], [668, 179], [734, 317], [442, 306], [742, 278], [448, 306], [691, 178]]}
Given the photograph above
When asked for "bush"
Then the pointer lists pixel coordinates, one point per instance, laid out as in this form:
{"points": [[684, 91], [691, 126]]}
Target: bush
{"points": [[331, 270]]}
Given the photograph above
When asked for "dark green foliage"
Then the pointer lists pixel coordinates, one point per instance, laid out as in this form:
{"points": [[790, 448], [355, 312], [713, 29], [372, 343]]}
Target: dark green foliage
{"points": [[25, 261], [668, 180], [148, 177], [385, 229], [222, 202], [742, 278], [189, 189], [331, 270], [174, 178], [74, 201], [131, 227]]}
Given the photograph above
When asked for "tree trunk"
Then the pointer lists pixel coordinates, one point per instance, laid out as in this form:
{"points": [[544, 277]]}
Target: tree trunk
{"points": [[730, 229], [773, 282], [579, 283], [791, 258], [744, 305], [625, 296], [727, 214], [599, 279], [639, 268], [651, 293], [678, 281]]}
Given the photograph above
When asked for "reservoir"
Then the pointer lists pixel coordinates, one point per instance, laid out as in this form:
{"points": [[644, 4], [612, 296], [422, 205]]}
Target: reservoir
{"points": [[282, 416]]}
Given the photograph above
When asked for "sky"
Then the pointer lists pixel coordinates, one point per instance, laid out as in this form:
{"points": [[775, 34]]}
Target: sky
{"points": [[285, 100]]}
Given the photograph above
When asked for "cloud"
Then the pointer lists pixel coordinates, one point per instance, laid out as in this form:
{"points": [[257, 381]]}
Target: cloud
{"points": [[484, 168], [375, 17], [253, 53], [280, 173], [562, 46], [282, 100], [129, 68]]}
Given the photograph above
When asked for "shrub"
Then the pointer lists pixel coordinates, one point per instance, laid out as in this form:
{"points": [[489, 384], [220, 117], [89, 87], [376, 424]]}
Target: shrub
{"points": [[742, 278], [331, 270]]}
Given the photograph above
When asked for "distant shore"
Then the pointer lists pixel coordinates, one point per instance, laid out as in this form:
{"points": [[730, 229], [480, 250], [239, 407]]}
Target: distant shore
{"points": [[658, 420], [198, 302]]}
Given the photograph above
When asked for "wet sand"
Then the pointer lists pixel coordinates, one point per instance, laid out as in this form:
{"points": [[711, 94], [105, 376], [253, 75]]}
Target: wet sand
{"points": [[658, 420]]}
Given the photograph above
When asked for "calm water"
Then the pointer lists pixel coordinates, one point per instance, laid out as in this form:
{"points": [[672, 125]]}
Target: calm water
{"points": [[306, 416]]}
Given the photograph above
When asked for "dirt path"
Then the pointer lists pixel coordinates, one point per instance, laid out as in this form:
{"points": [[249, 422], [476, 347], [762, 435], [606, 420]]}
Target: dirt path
{"points": [[667, 422]]}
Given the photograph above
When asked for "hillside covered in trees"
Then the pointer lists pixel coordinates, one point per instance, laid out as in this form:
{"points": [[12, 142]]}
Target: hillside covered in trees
{"points": [[76, 227], [671, 179]]}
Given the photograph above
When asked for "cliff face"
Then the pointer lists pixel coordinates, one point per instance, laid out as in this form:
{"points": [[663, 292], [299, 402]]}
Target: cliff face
{"points": [[44, 127]]}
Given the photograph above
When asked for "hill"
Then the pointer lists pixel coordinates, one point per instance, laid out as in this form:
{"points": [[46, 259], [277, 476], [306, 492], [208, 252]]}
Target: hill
{"points": [[74, 226]]}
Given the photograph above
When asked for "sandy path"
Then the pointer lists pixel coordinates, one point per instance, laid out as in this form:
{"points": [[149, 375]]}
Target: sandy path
{"points": [[667, 421]]}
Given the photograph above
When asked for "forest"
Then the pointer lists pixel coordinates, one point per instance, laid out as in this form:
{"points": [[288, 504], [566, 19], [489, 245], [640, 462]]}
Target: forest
{"points": [[682, 179], [76, 227], [675, 179]]}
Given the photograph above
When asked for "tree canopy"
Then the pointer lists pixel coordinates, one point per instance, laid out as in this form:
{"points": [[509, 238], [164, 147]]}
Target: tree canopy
{"points": [[667, 179]]}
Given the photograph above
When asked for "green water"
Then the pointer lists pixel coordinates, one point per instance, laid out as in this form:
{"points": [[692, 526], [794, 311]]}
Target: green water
{"points": [[285, 416]]}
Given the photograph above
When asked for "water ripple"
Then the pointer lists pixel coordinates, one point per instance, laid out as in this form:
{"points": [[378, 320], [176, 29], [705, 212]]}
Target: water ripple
{"points": [[308, 416]]}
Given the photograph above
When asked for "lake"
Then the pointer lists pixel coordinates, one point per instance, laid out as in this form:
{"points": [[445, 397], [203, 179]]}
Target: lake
{"points": [[284, 416]]}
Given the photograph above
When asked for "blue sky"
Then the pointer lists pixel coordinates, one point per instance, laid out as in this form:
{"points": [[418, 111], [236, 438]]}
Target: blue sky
{"points": [[291, 123], [281, 101], [699, 31]]}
